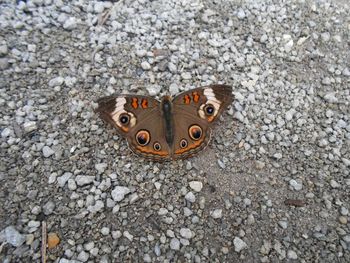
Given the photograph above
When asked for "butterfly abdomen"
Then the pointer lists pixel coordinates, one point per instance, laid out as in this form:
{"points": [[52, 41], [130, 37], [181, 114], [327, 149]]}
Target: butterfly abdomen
{"points": [[168, 120]]}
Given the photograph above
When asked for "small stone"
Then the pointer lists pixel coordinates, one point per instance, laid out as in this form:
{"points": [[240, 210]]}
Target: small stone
{"points": [[99, 7], [343, 220], [162, 211], [331, 98], [196, 186], [88, 246], [52, 240], [173, 89], [241, 14], [71, 185], [239, 244], [344, 211], [128, 235], [326, 81], [4, 63], [153, 90], [289, 114], [141, 53], [63, 179], [29, 126], [47, 151], [83, 256], [186, 233], [346, 161], [296, 185], [172, 67], [3, 50], [105, 231], [334, 184], [325, 36], [190, 197], [100, 167], [116, 234], [119, 193], [145, 65], [292, 254], [6, 132], [49, 207], [84, 179], [217, 213], [12, 236], [288, 46], [58, 81], [174, 244], [70, 23], [283, 224], [186, 75]]}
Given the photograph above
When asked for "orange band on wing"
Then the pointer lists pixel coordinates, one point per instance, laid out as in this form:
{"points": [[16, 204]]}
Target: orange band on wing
{"points": [[160, 153], [194, 145], [134, 103], [195, 96], [144, 104]]}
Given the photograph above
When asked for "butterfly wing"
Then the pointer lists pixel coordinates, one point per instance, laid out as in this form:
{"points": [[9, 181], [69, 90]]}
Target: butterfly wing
{"points": [[139, 120], [194, 112]]}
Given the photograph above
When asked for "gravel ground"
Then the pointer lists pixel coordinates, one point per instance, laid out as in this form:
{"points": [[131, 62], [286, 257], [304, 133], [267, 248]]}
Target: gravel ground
{"points": [[274, 184]]}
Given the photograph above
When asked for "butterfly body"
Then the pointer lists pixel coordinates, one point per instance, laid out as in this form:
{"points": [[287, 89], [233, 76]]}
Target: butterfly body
{"points": [[173, 128]]}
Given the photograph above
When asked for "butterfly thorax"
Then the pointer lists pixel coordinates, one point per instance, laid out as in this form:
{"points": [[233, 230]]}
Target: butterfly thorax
{"points": [[166, 107]]}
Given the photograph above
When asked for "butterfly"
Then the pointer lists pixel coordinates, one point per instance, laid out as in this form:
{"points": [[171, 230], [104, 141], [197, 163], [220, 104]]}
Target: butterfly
{"points": [[169, 129]]}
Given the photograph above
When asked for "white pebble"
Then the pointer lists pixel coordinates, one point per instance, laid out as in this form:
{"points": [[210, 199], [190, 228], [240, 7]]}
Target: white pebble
{"points": [[292, 254], [145, 65], [217, 213], [70, 23], [196, 186], [128, 235]]}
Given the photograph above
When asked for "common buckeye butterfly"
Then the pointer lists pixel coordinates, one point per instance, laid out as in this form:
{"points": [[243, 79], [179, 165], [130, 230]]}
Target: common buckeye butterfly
{"points": [[173, 128]]}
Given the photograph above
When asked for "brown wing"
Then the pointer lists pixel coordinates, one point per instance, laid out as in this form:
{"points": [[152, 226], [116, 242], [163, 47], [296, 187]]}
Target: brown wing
{"points": [[139, 120], [194, 111]]}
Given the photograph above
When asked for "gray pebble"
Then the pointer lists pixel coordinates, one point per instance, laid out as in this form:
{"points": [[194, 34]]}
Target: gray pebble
{"points": [[84, 179], [58, 81], [186, 233], [190, 197], [291, 254], [239, 244], [47, 151], [297, 185], [174, 244], [101, 167], [83, 256], [49, 207], [119, 193], [12, 236], [64, 178]]}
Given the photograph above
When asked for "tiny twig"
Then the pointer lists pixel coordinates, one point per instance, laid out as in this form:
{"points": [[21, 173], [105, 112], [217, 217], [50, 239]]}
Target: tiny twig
{"points": [[43, 241]]}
